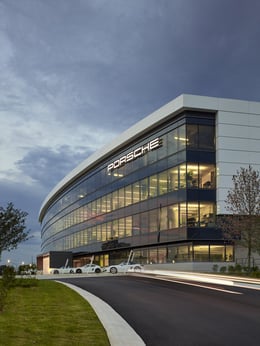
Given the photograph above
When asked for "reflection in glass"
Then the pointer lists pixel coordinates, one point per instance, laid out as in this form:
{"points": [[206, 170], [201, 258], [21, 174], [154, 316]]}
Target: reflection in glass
{"points": [[153, 185], [173, 179]]}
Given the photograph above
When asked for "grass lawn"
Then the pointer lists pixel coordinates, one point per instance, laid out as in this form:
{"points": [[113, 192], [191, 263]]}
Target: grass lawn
{"points": [[49, 313]]}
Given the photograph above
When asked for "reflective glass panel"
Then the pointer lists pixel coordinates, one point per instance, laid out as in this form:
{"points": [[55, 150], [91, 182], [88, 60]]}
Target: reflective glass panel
{"points": [[207, 176], [173, 216], [207, 218], [193, 215], [192, 176], [192, 136], [136, 192], [144, 189], [182, 174], [173, 179], [206, 137], [153, 191], [162, 182]]}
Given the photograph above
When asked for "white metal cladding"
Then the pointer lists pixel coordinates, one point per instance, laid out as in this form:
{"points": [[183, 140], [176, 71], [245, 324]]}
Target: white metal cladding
{"points": [[236, 121]]}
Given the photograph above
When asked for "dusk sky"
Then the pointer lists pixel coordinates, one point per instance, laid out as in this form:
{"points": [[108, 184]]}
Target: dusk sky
{"points": [[74, 74]]}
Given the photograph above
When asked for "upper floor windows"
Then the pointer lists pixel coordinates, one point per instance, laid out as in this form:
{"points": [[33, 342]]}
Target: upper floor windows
{"points": [[174, 143], [200, 137]]}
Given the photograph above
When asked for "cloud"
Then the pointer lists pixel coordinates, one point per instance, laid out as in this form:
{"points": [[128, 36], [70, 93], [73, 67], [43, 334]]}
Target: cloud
{"points": [[46, 166]]}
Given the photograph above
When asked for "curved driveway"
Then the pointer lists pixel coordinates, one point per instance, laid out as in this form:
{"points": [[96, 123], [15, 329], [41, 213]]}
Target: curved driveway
{"points": [[172, 313]]}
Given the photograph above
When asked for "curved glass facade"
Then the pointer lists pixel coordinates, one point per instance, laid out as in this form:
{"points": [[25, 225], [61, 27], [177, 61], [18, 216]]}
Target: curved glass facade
{"points": [[157, 195]]}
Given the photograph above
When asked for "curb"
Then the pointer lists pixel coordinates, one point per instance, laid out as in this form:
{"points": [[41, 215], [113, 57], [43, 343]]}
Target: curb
{"points": [[118, 330]]}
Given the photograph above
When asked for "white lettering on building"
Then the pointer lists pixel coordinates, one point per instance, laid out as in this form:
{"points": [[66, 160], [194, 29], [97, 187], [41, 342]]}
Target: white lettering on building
{"points": [[132, 155]]}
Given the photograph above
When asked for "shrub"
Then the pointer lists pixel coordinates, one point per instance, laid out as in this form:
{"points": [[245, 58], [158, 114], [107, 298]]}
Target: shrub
{"points": [[8, 277], [3, 295], [223, 269], [238, 268], [215, 268], [231, 269]]}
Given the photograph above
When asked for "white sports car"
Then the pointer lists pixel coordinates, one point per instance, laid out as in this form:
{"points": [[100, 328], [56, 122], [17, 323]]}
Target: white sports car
{"points": [[62, 270], [124, 267], [88, 268]]}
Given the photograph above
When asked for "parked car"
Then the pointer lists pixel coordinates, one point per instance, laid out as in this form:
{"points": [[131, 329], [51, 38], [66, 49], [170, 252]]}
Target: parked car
{"points": [[62, 270], [123, 267], [88, 268]]}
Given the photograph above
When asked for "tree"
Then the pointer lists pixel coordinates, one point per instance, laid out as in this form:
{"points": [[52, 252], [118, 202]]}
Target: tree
{"points": [[12, 227], [242, 224]]}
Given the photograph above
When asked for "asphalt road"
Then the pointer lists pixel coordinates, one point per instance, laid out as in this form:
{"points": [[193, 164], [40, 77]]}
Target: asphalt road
{"points": [[176, 314]]}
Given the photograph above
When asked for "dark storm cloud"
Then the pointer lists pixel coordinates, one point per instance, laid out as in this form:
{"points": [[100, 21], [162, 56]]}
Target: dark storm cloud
{"points": [[47, 166], [120, 60]]}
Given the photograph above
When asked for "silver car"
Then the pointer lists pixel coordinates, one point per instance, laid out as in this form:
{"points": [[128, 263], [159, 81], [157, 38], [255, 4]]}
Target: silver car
{"points": [[62, 270], [123, 267], [88, 268]]}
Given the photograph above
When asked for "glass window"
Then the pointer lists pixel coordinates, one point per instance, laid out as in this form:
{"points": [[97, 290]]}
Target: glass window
{"points": [[153, 186], [109, 230], [104, 205], [207, 176], [153, 258], [207, 215], [173, 179], [152, 156], [136, 192], [182, 138], [229, 253], [114, 200], [192, 136], [144, 222], [162, 151], [93, 208], [144, 189], [182, 170], [193, 215], [99, 233], [153, 220], [183, 214], [121, 226], [99, 206], [172, 140], [121, 198], [162, 255], [114, 231], [201, 252], [163, 188], [192, 176], [108, 198], [217, 253], [128, 195], [173, 216], [184, 253], [128, 226], [104, 232], [136, 224], [163, 218], [206, 137]]}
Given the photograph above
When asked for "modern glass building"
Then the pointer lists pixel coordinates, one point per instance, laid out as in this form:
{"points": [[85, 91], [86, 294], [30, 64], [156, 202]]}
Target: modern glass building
{"points": [[157, 188]]}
